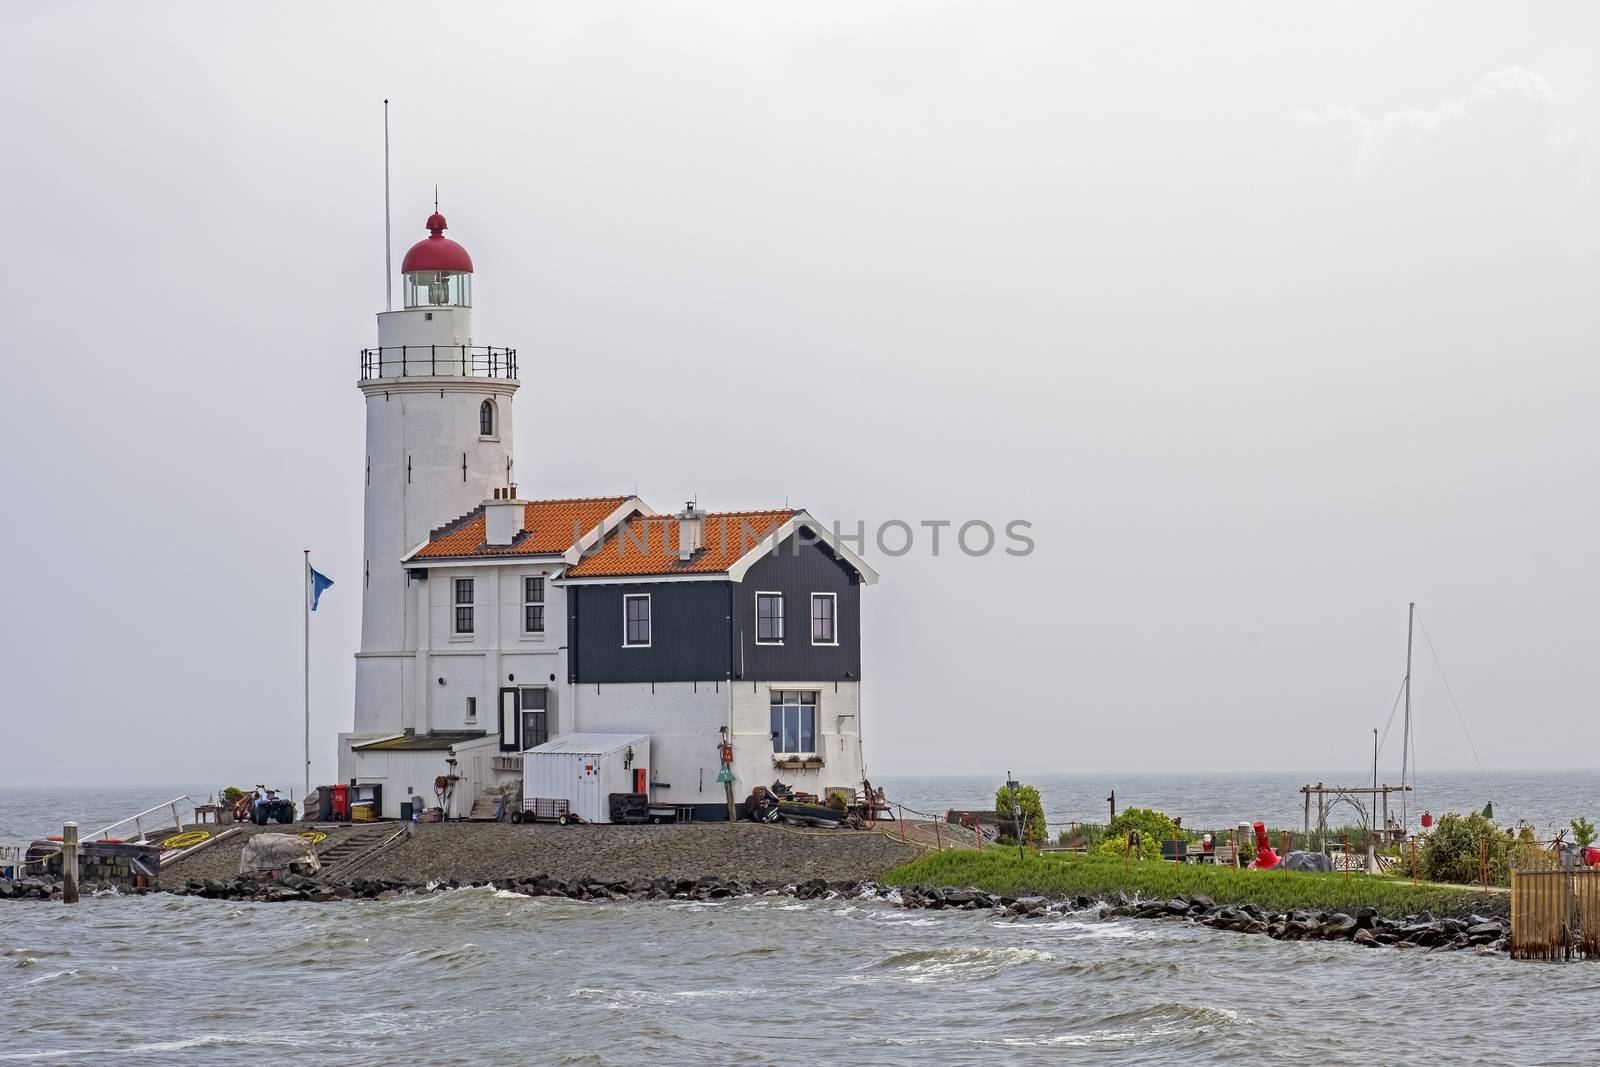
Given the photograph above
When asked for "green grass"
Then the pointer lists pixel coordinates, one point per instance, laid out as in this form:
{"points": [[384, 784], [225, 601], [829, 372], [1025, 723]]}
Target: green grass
{"points": [[1003, 871]]}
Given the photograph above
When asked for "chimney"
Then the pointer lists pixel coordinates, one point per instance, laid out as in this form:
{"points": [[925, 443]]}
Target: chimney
{"points": [[691, 530], [503, 516]]}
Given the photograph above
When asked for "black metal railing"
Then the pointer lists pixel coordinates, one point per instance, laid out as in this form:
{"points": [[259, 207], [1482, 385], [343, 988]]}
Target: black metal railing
{"points": [[424, 361]]}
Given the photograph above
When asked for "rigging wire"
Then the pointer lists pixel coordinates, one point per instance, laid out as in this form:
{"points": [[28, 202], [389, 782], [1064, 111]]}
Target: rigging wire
{"points": [[1449, 692], [1393, 708]]}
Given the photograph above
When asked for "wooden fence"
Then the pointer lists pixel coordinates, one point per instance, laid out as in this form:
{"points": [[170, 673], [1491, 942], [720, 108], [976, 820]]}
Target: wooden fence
{"points": [[1555, 914]]}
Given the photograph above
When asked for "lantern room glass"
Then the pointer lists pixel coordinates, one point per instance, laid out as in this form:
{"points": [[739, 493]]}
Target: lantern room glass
{"points": [[438, 288]]}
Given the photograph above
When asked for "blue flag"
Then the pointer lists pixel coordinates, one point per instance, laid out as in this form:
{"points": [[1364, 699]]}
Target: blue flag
{"points": [[319, 582]]}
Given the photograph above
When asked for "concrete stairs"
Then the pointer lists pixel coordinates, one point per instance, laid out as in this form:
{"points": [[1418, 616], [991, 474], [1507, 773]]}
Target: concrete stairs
{"points": [[353, 847]]}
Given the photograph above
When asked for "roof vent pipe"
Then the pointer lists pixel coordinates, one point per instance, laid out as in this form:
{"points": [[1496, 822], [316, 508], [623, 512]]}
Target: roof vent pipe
{"points": [[691, 530]]}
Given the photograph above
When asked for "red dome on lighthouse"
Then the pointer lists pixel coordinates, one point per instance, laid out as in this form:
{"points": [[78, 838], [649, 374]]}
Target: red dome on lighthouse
{"points": [[436, 251]]}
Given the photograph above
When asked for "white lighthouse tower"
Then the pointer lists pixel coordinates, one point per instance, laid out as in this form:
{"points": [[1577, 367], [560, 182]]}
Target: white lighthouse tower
{"points": [[438, 444]]}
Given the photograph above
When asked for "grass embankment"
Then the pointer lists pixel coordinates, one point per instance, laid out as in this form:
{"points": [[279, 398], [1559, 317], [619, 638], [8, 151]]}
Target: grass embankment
{"points": [[1002, 871]]}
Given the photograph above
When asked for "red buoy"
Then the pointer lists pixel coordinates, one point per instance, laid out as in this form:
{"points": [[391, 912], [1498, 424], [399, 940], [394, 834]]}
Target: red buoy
{"points": [[1427, 820]]}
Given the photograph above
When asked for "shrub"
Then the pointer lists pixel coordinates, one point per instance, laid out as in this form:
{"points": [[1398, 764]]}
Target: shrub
{"points": [[231, 795], [1583, 831], [1115, 845], [1151, 824], [1454, 850], [1031, 807], [1154, 827]]}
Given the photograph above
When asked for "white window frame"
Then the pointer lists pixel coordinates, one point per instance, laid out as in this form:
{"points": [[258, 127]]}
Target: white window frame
{"points": [[649, 620], [769, 592], [542, 602], [456, 604], [816, 722], [833, 617]]}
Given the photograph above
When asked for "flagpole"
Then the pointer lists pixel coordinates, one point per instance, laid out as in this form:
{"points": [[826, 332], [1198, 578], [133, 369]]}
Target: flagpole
{"points": [[388, 273], [307, 583]]}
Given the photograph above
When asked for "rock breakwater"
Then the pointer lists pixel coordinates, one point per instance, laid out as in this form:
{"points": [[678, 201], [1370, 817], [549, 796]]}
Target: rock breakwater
{"points": [[1365, 927]]}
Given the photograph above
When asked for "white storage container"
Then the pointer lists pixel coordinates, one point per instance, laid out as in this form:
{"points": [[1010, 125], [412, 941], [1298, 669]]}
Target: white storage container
{"points": [[584, 770]]}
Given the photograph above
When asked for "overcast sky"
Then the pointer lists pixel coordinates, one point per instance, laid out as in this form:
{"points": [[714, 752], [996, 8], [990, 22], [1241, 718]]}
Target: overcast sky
{"points": [[1268, 319]]}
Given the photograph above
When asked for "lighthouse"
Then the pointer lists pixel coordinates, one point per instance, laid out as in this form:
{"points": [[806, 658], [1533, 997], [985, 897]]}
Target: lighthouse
{"points": [[438, 444], [702, 648]]}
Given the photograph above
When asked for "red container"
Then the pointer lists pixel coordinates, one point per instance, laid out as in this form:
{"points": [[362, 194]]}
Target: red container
{"points": [[341, 802]]}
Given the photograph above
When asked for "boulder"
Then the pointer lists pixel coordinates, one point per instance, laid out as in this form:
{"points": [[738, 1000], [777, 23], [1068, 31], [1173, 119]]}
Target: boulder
{"points": [[1484, 932], [1338, 926]]}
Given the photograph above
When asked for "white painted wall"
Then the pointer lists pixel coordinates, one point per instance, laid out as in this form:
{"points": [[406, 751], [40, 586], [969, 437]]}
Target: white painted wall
{"points": [[498, 653], [838, 728], [418, 432], [682, 719], [397, 772], [421, 327], [430, 423], [384, 701]]}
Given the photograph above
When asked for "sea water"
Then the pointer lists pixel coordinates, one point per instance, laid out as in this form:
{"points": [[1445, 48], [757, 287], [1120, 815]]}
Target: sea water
{"points": [[477, 976]]}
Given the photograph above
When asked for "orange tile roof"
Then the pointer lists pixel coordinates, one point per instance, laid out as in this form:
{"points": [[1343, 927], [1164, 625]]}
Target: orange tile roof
{"points": [[550, 527], [648, 545]]}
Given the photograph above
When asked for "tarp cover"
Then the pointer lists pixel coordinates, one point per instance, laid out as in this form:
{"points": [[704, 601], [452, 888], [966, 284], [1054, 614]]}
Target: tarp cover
{"points": [[1308, 861], [278, 852]]}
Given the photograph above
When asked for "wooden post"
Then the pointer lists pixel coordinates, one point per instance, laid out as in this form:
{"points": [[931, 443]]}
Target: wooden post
{"points": [[901, 809], [69, 863], [733, 809], [1307, 792], [1413, 861], [1283, 860], [1175, 860], [977, 834], [936, 842], [1074, 837], [1112, 800]]}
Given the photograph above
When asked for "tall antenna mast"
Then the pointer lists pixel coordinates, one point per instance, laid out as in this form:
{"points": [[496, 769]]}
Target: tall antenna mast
{"points": [[388, 261], [1405, 737]]}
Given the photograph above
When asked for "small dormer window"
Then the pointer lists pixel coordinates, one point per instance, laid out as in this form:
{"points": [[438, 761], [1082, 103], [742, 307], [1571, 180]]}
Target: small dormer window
{"points": [[486, 419]]}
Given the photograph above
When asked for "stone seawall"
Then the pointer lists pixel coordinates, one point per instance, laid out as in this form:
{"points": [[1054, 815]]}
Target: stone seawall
{"points": [[479, 853]]}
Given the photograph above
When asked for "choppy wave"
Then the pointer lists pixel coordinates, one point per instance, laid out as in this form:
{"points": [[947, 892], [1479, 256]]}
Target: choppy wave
{"points": [[960, 964], [468, 974], [1158, 1023]]}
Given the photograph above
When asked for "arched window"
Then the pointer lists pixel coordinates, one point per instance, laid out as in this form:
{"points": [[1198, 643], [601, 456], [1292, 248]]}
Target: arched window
{"points": [[486, 419]]}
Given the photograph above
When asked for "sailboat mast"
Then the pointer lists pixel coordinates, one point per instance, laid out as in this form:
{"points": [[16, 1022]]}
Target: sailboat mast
{"points": [[1405, 737]]}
